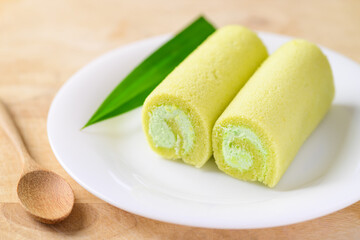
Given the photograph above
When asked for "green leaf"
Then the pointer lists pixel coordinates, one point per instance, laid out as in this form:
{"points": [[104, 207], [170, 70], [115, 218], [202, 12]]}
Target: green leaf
{"points": [[133, 90]]}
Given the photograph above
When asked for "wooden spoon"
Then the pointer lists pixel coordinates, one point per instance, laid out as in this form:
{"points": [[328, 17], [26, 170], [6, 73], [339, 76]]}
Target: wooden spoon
{"points": [[43, 194]]}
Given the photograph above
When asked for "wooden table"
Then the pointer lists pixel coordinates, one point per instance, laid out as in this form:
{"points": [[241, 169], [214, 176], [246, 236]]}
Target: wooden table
{"points": [[42, 43]]}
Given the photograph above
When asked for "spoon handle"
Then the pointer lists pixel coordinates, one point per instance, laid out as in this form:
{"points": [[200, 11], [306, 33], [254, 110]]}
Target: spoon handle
{"points": [[11, 130]]}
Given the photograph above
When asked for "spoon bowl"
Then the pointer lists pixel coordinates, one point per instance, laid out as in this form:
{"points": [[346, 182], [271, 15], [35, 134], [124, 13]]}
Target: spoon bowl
{"points": [[45, 195]]}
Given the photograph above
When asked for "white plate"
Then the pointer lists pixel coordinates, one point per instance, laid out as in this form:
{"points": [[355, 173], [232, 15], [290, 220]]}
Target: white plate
{"points": [[113, 161]]}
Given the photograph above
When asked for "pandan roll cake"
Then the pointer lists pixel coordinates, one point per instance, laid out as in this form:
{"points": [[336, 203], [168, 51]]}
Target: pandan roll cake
{"points": [[178, 116], [262, 129]]}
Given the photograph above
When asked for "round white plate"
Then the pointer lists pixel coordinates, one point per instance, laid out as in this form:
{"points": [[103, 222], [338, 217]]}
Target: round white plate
{"points": [[113, 161]]}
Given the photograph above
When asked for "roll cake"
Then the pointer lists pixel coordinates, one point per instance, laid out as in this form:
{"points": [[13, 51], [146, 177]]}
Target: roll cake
{"points": [[178, 116], [262, 129]]}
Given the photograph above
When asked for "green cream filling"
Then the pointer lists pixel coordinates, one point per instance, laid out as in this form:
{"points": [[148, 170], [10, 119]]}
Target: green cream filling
{"points": [[170, 127], [234, 154]]}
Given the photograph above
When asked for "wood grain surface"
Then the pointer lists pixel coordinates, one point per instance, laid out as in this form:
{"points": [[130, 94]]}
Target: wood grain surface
{"points": [[42, 43]]}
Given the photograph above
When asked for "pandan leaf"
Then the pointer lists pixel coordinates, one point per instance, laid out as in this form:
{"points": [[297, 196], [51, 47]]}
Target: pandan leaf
{"points": [[131, 92]]}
